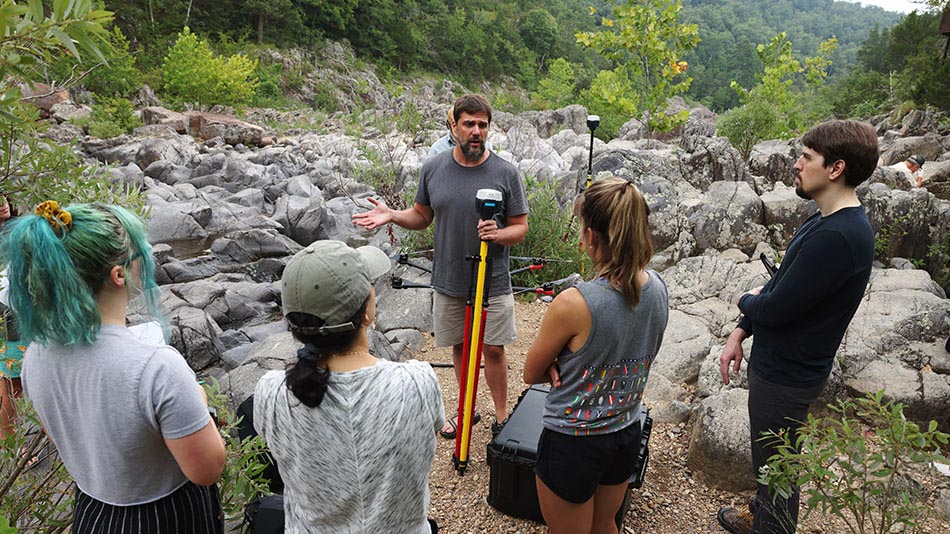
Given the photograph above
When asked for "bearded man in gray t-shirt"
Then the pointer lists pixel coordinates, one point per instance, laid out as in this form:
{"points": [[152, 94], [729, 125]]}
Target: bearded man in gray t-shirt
{"points": [[446, 196]]}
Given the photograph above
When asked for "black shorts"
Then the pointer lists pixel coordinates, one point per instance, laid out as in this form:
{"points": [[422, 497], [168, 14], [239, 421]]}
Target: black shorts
{"points": [[573, 466]]}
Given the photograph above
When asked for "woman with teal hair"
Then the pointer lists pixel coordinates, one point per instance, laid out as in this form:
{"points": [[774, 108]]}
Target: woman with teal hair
{"points": [[127, 417]]}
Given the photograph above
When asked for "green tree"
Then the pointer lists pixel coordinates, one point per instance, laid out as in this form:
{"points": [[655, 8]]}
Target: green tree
{"points": [[557, 88], [776, 107], [193, 74], [31, 168], [539, 32], [646, 50]]}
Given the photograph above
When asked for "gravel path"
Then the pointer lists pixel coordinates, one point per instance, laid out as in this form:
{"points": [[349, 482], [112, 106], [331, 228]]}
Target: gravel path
{"points": [[671, 501]]}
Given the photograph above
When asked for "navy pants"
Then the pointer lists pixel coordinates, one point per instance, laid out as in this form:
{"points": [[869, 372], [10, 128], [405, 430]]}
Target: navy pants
{"points": [[773, 408]]}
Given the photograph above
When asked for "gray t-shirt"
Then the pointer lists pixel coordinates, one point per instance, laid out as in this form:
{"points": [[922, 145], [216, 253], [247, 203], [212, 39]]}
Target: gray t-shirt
{"points": [[449, 189], [602, 383], [108, 408], [358, 462]]}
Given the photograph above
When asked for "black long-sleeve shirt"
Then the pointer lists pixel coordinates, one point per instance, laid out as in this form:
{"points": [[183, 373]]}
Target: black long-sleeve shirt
{"points": [[802, 313]]}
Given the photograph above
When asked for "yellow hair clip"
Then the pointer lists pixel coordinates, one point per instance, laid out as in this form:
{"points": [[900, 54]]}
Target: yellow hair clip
{"points": [[55, 216]]}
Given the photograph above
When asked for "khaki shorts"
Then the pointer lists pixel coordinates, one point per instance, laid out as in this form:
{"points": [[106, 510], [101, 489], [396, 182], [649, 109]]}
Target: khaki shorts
{"points": [[448, 317]]}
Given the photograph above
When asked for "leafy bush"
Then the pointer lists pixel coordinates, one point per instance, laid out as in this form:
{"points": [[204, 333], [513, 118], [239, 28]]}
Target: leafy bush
{"points": [[749, 124], [38, 498], [552, 235], [854, 465], [119, 76], [193, 74], [112, 117], [556, 90], [242, 480]]}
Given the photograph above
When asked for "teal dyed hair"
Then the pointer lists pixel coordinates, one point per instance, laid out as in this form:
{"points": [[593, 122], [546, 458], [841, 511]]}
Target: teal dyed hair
{"points": [[54, 279]]}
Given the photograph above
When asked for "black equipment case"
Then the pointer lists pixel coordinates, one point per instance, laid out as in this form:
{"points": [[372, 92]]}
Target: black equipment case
{"points": [[514, 451]]}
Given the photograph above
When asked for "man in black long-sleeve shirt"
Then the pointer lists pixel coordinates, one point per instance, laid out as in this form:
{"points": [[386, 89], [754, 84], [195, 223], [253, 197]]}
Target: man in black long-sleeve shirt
{"points": [[799, 317]]}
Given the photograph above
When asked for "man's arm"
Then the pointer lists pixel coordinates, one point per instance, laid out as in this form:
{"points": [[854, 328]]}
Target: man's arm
{"points": [[417, 217], [732, 353], [513, 233], [822, 263]]}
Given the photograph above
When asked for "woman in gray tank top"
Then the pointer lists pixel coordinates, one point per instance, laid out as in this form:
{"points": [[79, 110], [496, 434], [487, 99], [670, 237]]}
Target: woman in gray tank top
{"points": [[596, 345]]}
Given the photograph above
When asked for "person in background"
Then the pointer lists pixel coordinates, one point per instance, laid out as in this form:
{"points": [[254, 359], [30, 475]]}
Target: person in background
{"points": [[128, 418], [448, 184], [448, 141], [11, 350], [596, 345], [912, 169], [799, 317], [353, 435]]}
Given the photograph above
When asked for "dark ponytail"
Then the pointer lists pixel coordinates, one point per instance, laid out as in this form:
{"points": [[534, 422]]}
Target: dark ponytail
{"points": [[308, 377]]}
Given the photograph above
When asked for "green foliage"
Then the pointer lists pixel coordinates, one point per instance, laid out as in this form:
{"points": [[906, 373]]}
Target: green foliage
{"points": [[750, 123], [552, 234], [32, 169], [897, 64], [112, 117], [116, 74], [556, 90], [897, 229], [731, 28], [193, 74], [775, 107], [539, 32], [242, 480], [853, 465], [36, 498], [119, 76], [646, 51], [31, 41]]}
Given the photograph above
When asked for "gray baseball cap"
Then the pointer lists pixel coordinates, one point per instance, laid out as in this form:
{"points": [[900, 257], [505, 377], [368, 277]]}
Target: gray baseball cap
{"points": [[918, 159], [330, 280]]}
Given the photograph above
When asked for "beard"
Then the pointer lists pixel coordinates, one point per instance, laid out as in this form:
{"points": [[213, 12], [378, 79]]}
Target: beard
{"points": [[800, 191], [473, 154]]}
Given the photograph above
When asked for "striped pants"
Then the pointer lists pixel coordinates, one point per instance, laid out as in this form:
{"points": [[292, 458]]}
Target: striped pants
{"points": [[191, 509]]}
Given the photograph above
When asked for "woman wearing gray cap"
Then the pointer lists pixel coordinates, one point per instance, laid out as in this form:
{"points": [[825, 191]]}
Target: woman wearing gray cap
{"points": [[353, 435]]}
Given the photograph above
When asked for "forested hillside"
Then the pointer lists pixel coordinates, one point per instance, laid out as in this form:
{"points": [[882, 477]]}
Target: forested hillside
{"points": [[731, 29], [503, 38]]}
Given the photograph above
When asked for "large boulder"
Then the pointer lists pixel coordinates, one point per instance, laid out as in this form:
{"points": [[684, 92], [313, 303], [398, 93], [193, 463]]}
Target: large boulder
{"points": [[785, 211], [699, 278], [774, 160], [172, 222], [730, 215], [655, 173], [714, 160], [551, 121], [195, 334], [246, 246], [930, 146], [43, 96], [895, 342], [719, 446], [234, 131], [906, 223], [159, 115], [685, 344], [168, 146]]}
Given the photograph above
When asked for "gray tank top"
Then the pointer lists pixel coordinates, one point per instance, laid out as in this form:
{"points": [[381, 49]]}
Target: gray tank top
{"points": [[602, 383]]}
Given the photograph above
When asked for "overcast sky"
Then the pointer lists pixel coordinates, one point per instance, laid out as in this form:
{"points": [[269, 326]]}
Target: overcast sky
{"points": [[901, 6]]}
